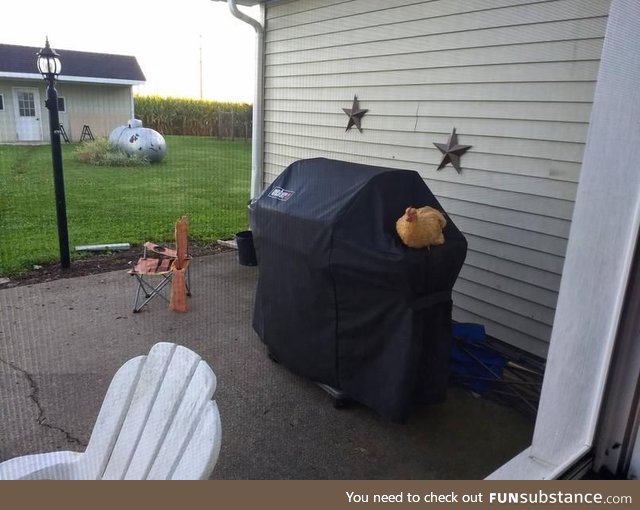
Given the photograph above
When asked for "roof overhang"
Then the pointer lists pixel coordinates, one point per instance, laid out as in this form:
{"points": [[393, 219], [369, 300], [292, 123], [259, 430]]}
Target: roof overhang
{"points": [[73, 79]]}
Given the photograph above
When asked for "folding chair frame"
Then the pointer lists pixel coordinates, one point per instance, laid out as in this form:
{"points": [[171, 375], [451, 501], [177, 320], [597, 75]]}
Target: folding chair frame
{"points": [[150, 291], [167, 255]]}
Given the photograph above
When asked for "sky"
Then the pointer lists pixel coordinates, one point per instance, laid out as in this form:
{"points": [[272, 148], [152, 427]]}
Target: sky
{"points": [[164, 35]]}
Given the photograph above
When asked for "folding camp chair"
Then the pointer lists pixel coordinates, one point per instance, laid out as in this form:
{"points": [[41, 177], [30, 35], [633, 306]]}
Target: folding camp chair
{"points": [[164, 265]]}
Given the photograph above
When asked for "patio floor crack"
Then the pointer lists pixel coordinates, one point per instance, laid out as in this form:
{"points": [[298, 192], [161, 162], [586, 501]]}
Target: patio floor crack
{"points": [[34, 396]]}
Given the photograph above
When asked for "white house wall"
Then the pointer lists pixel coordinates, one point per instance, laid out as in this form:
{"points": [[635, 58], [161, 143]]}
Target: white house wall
{"points": [[101, 107], [7, 118], [516, 78], [7, 115]]}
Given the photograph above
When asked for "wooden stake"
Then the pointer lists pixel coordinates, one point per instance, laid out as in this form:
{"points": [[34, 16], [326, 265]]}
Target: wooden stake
{"points": [[178, 300]]}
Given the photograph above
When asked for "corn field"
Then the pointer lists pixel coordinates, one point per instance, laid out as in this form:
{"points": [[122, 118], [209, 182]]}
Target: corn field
{"points": [[194, 117]]}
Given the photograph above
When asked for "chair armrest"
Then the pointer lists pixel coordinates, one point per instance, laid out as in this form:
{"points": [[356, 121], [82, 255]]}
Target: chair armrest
{"points": [[41, 466]]}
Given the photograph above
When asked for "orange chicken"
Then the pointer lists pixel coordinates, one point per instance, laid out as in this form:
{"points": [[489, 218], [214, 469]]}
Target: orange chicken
{"points": [[421, 228]]}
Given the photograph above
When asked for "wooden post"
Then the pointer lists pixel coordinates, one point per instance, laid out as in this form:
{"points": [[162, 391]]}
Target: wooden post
{"points": [[178, 299]]}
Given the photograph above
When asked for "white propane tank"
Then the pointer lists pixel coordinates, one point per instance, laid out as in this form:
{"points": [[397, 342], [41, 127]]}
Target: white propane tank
{"points": [[135, 139]]}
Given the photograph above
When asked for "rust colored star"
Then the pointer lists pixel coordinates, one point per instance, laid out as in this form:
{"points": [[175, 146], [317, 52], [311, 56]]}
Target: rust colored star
{"points": [[355, 115], [451, 151]]}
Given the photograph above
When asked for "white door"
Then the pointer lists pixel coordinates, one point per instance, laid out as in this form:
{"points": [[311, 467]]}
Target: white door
{"points": [[27, 109]]}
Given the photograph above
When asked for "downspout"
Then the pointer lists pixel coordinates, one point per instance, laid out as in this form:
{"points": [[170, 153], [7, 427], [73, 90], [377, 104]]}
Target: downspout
{"points": [[257, 133]]}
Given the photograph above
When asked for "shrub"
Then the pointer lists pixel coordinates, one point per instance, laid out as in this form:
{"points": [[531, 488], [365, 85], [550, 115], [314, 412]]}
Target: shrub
{"points": [[100, 152]]}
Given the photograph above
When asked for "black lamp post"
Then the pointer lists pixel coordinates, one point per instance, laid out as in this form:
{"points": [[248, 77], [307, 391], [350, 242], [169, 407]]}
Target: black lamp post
{"points": [[49, 66]]}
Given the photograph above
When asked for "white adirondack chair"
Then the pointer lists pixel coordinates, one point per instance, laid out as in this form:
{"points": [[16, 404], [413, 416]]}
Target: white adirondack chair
{"points": [[157, 422]]}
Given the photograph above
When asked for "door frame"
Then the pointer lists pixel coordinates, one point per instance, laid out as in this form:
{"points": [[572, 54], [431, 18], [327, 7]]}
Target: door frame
{"points": [[598, 266], [38, 112]]}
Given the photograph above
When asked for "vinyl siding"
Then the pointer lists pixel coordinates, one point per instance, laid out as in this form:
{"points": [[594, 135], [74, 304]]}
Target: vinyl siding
{"points": [[102, 107], [8, 115], [516, 78]]}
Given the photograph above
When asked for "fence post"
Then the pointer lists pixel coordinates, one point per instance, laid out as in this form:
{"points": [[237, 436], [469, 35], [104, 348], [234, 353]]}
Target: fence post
{"points": [[233, 125]]}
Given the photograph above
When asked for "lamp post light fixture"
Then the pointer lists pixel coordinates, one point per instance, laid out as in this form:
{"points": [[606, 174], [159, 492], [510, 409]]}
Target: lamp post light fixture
{"points": [[49, 66]]}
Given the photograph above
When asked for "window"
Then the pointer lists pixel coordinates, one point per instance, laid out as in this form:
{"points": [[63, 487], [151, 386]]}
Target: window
{"points": [[62, 104], [1, 103], [26, 104]]}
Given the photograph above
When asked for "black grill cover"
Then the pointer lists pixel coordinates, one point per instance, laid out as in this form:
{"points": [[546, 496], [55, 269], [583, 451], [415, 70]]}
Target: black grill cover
{"points": [[340, 299]]}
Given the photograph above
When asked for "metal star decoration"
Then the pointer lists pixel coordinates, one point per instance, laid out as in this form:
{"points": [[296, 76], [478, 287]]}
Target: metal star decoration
{"points": [[451, 151], [355, 115]]}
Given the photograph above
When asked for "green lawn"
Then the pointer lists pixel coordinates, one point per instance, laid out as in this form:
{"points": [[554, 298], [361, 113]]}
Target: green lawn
{"points": [[207, 179]]}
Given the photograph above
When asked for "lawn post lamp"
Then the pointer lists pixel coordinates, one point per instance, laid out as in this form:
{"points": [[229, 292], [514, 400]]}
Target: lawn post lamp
{"points": [[49, 66]]}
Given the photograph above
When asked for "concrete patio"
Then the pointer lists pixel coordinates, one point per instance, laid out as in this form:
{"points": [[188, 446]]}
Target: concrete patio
{"points": [[61, 342]]}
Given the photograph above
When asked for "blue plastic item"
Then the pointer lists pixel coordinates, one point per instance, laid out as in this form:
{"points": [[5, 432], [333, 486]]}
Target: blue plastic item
{"points": [[474, 364]]}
